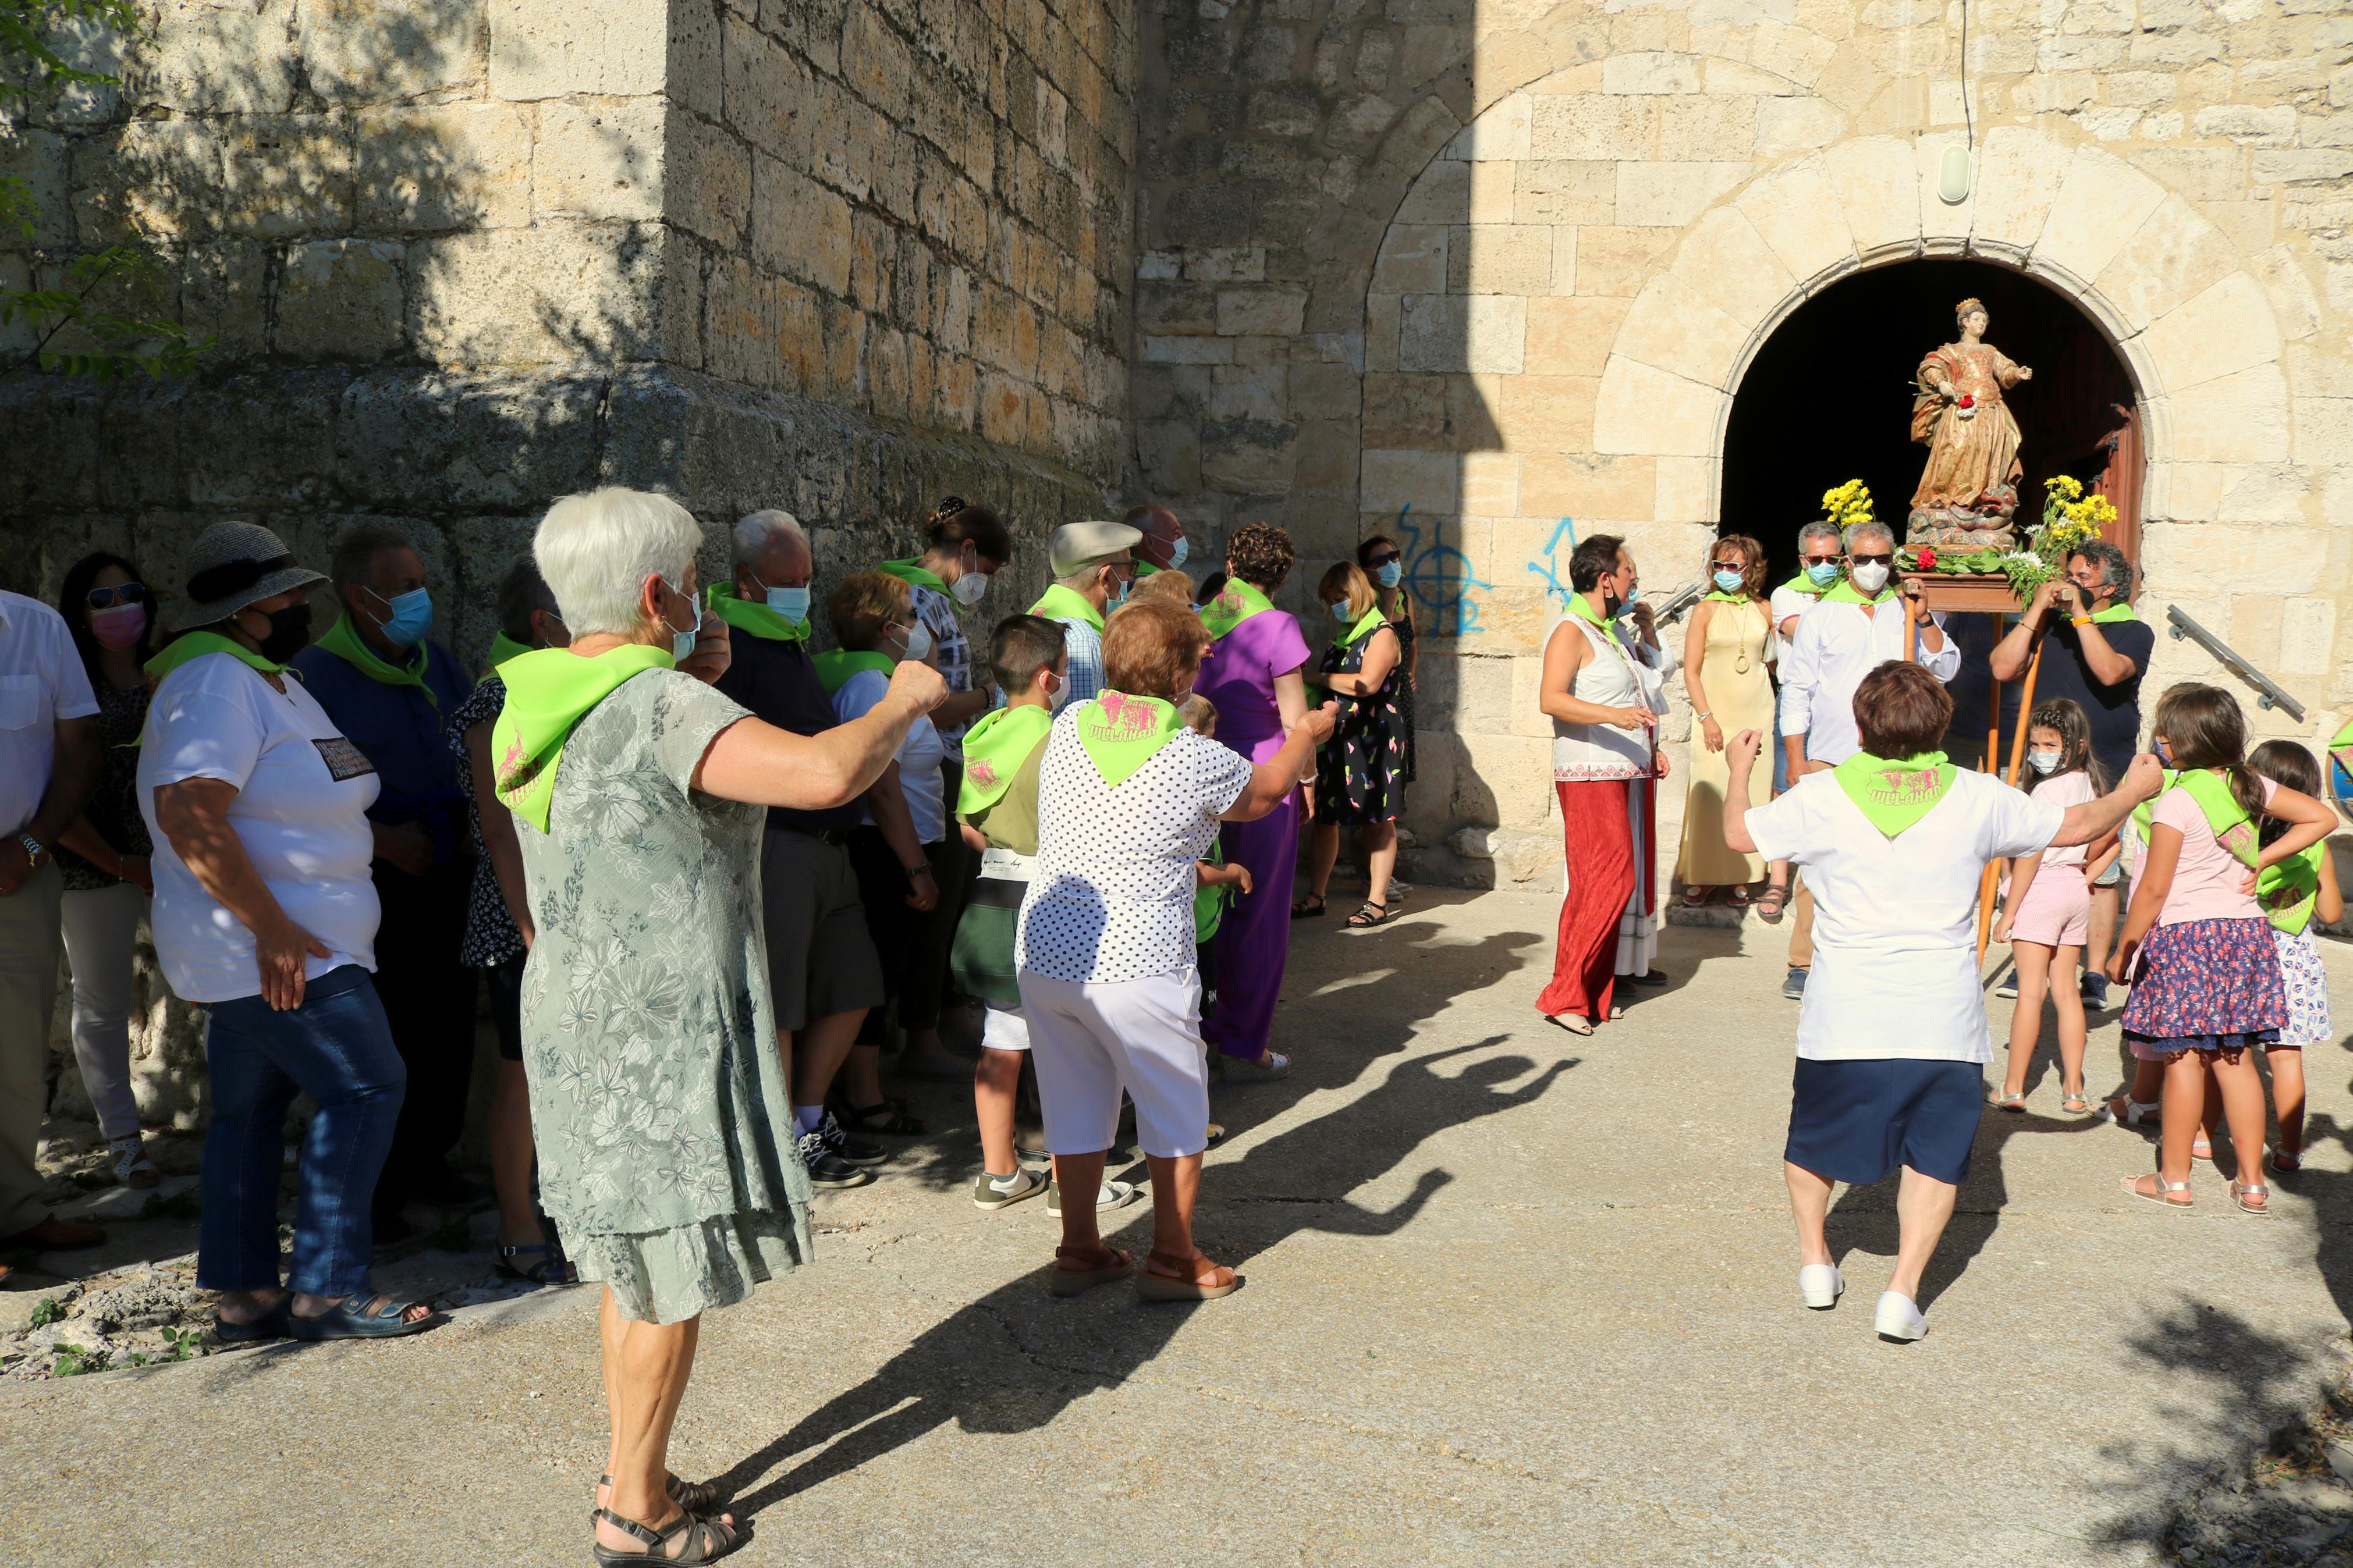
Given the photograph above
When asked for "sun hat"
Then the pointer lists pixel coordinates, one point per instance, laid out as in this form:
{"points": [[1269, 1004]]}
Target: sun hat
{"points": [[1075, 544], [231, 565]]}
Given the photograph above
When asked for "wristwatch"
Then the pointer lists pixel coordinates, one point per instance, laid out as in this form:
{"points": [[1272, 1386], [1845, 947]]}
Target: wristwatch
{"points": [[33, 848]]}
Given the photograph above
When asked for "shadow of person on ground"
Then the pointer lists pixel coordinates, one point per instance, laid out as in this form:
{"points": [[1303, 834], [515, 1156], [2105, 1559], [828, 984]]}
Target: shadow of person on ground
{"points": [[1013, 1360]]}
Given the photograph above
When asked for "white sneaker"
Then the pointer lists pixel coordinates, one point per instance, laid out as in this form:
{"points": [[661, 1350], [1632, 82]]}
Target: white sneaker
{"points": [[1821, 1284], [1898, 1318], [1108, 1196]]}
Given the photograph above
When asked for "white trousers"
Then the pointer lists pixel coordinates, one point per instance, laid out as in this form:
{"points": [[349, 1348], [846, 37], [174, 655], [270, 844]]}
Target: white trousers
{"points": [[1004, 1028], [102, 930], [1091, 1040]]}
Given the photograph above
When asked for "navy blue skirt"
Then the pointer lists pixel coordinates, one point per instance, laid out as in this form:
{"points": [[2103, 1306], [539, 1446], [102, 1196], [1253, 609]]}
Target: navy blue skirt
{"points": [[1856, 1121]]}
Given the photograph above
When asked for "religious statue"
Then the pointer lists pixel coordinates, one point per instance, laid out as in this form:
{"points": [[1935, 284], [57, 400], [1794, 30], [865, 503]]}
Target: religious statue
{"points": [[1969, 491]]}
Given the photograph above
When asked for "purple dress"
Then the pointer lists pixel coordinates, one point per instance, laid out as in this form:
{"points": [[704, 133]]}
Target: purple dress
{"points": [[1254, 939]]}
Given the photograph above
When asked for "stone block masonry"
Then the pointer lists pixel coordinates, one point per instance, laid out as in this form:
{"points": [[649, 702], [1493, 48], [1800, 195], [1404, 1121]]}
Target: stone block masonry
{"points": [[459, 257]]}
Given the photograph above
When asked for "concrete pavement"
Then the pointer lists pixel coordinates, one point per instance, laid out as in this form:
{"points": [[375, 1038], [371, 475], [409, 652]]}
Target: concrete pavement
{"points": [[1513, 1297]]}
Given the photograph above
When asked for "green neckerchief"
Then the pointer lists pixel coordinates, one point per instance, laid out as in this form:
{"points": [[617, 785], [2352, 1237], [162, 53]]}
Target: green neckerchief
{"points": [[1236, 602], [548, 693], [1894, 792], [2144, 814], [342, 640], [1122, 732], [1719, 596], [2233, 830], [1209, 903], [834, 669], [1801, 583], [502, 649], [2112, 613], [1145, 569], [1371, 621], [1061, 604], [1845, 592], [908, 571], [746, 615], [190, 646], [996, 746], [2289, 889], [1582, 608]]}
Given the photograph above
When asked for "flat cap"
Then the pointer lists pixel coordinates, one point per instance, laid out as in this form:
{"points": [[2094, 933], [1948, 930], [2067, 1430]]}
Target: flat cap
{"points": [[1074, 544]]}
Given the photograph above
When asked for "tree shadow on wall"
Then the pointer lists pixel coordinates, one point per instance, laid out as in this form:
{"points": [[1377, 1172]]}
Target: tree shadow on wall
{"points": [[1015, 1359]]}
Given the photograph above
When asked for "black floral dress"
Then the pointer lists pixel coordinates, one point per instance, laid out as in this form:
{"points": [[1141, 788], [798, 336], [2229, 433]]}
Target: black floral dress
{"points": [[1403, 626], [1360, 773], [113, 805]]}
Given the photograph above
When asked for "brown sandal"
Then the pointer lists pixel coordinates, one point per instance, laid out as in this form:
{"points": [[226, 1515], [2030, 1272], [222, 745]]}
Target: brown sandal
{"points": [[1079, 1281], [695, 1496], [1191, 1286], [1771, 902], [707, 1540]]}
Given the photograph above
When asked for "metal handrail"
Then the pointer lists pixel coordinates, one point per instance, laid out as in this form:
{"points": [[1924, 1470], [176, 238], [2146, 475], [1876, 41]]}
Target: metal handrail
{"points": [[2269, 692]]}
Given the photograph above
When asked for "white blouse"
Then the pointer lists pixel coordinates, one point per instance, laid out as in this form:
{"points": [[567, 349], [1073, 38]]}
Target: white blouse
{"points": [[1113, 896]]}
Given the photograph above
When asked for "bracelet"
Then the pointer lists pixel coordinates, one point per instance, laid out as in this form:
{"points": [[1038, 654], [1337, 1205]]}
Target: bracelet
{"points": [[2079, 620], [1709, 715], [922, 870]]}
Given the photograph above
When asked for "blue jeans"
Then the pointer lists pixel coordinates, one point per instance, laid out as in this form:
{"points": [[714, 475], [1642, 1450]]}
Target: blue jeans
{"points": [[337, 1048]]}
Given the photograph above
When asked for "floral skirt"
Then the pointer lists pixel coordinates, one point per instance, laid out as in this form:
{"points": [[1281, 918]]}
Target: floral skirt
{"points": [[670, 1275], [2207, 986]]}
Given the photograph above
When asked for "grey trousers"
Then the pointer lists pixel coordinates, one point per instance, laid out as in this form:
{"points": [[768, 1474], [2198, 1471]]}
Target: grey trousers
{"points": [[31, 932]]}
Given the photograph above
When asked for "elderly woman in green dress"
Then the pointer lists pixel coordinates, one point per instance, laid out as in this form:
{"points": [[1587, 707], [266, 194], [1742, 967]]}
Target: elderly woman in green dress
{"points": [[665, 1132]]}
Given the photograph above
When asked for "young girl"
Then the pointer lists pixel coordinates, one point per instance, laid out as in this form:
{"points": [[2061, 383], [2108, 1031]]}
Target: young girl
{"points": [[2208, 983], [2295, 892], [2048, 916]]}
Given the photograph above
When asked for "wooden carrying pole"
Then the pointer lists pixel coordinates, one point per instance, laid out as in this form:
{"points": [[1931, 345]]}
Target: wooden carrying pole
{"points": [[2017, 762]]}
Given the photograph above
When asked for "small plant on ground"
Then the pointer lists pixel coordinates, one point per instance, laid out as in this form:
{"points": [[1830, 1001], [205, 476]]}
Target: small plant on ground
{"points": [[73, 1360], [50, 1310]]}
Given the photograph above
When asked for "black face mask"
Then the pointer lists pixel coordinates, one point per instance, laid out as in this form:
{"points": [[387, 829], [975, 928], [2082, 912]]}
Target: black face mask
{"points": [[289, 633]]}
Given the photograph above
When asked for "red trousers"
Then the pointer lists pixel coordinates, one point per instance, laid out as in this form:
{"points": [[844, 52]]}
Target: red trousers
{"points": [[1597, 842]]}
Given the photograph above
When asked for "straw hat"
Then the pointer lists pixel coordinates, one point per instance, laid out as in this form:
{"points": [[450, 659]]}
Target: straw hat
{"points": [[231, 565]]}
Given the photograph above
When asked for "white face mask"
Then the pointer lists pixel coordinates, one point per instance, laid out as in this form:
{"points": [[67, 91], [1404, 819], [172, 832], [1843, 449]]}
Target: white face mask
{"points": [[1176, 552], [1060, 694], [968, 589], [1871, 576], [919, 644], [2042, 761]]}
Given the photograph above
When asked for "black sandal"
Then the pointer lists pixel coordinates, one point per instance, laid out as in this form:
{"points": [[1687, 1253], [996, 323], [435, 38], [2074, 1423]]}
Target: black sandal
{"points": [[1771, 902], [270, 1325], [695, 1496], [709, 1542], [886, 1119], [1302, 911], [1369, 915], [552, 1269]]}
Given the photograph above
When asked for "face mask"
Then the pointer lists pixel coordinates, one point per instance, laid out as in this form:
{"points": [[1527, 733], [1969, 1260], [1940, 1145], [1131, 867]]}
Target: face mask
{"points": [[1729, 581], [120, 626], [1118, 596], [2042, 761], [1387, 573], [411, 616], [2165, 753], [1178, 552], [919, 644], [968, 589], [793, 604], [1871, 576], [289, 633], [1060, 695], [681, 643], [1823, 573], [1340, 612]]}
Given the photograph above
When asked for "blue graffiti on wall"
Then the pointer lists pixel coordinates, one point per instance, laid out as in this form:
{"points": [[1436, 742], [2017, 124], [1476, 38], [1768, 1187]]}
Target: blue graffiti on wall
{"points": [[1439, 578], [1549, 567]]}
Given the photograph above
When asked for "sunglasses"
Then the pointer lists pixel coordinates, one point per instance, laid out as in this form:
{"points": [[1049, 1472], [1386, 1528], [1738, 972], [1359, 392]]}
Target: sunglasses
{"points": [[1381, 560], [107, 598], [1729, 566], [1883, 560]]}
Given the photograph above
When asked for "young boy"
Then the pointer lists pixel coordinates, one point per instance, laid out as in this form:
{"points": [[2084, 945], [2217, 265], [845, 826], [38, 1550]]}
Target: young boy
{"points": [[998, 809]]}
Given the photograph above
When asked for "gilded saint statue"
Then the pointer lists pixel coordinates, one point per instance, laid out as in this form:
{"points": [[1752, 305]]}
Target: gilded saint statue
{"points": [[1968, 490]]}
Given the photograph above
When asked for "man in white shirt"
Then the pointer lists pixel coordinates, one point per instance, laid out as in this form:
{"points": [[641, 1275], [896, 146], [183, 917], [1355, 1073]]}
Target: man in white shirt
{"points": [[1852, 630], [49, 763]]}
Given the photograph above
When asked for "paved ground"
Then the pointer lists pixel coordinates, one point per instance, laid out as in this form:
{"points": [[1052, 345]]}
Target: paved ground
{"points": [[1513, 1297]]}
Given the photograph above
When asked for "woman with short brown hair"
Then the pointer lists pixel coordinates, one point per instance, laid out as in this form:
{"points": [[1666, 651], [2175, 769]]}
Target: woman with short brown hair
{"points": [[1360, 772], [1128, 800]]}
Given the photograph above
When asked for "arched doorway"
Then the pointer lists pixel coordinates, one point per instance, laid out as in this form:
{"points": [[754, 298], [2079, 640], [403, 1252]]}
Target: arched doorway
{"points": [[1829, 398]]}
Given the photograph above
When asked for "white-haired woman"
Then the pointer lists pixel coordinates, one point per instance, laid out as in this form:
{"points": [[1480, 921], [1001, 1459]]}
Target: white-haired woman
{"points": [[648, 1029]]}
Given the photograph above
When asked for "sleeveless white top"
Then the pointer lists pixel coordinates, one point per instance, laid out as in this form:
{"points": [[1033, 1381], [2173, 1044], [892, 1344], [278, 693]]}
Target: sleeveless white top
{"points": [[1615, 675]]}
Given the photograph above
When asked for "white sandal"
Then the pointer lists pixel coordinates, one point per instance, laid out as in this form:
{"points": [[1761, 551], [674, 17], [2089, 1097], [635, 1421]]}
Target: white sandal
{"points": [[2242, 1190], [2131, 1185], [130, 1162]]}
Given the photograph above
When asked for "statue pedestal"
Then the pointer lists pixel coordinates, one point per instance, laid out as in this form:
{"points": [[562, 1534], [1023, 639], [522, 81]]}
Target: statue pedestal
{"points": [[1949, 528]]}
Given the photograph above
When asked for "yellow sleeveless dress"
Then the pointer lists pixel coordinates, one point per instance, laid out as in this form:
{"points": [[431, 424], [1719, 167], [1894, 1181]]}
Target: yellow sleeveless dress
{"points": [[1740, 695]]}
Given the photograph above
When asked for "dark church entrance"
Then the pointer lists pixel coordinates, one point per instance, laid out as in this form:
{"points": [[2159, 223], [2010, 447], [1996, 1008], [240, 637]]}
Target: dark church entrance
{"points": [[1829, 398]]}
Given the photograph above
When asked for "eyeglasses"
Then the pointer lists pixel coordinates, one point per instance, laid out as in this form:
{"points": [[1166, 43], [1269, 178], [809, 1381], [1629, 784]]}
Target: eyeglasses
{"points": [[1886, 559], [1382, 560], [125, 594], [1821, 560]]}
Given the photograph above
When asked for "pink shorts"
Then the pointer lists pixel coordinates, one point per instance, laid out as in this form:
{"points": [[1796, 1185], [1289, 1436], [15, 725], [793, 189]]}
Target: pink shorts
{"points": [[2058, 909]]}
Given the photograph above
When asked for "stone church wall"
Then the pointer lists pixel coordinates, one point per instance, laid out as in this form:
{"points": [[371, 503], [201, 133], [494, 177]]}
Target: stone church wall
{"points": [[459, 257], [1459, 272]]}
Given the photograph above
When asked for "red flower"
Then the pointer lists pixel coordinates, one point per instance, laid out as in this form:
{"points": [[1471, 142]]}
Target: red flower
{"points": [[1968, 400], [1927, 560]]}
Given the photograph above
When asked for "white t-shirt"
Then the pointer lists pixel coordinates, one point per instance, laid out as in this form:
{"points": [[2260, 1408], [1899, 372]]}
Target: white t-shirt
{"points": [[1896, 969], [301, 811], [1113, 896], [918, 755], [41, 681]]}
